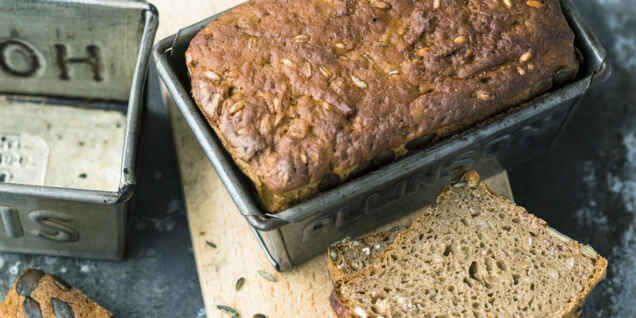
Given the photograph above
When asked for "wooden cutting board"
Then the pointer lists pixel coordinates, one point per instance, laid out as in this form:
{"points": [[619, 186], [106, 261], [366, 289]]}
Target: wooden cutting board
{"points": [[213, 217]]}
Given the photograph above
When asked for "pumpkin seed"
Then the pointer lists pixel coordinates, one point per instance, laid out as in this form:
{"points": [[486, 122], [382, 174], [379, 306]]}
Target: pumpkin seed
{"points": [[61, 284], [32, 308], [229, 310], [62, 309], [267, 276], [239, 283], [28, 282]]}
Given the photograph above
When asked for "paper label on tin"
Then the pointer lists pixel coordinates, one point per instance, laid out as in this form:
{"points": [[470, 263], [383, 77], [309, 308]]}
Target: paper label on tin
{"points": [[23, 158]]}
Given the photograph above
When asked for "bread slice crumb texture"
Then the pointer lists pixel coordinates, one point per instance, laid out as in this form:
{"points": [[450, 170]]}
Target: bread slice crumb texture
{"points": [[473, 255]]}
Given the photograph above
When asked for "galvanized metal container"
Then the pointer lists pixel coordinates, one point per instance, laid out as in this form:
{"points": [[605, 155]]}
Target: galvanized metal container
{"points": [[303, 231], [72, 74]]}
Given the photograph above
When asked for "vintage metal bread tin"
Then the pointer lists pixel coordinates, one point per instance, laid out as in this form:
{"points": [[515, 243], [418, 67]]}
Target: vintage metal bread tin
{"points": [[72, 74], [305, 230]]}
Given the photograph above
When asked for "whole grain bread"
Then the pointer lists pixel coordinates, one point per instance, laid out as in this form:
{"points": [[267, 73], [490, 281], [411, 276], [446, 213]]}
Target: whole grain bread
{"points": [[36, 294], [474, 254], [349, 256], [307, 94]]}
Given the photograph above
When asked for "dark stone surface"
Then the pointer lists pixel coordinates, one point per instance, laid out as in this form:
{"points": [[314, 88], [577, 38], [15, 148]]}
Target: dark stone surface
{"points": [[158, 278], [586, 187]]}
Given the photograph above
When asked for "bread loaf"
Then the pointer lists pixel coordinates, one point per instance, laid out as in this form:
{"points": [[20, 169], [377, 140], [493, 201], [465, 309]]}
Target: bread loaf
{"points": [[37, 295], [307, 94], [474, 254]]}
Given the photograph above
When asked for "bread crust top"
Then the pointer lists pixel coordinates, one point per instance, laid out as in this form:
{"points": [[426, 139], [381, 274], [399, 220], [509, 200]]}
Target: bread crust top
{"points": [[301, 90]]}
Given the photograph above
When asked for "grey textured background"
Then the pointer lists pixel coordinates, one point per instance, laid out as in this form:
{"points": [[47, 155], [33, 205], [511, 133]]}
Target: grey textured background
{"points": [[586, 188]]}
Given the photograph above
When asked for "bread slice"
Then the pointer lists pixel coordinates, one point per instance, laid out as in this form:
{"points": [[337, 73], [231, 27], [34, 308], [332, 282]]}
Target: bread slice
{"points": [[349, 256], [474, 254], [36, 294]]}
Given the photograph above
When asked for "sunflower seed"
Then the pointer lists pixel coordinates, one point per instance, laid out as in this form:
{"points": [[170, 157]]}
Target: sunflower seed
{"points": [[534, 4], [422, 51], [228, 310], [521, 71], [483, 96], [28, 282], [398, 228], [344, 240], [61, 284], [380, 4], [460, 39], [210, 244], [239, 283], [302, 38], [368, 58], [31, 308], [460, 184], [307, 70], [62, 309], [358, 82], [288, 62], [525, 57], [214, 103], [212, 76], [236, 108], [333, 255], [267, 276], [325, 72]]}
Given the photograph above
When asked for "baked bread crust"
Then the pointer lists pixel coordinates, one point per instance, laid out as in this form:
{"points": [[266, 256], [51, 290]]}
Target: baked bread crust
{"points": [[307, 94], [48, 297], [573, 310]]}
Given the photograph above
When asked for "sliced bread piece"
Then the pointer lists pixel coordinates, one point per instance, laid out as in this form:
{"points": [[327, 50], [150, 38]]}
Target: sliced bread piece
{"points": [[349, 256], [37, 294], [474, 254]]}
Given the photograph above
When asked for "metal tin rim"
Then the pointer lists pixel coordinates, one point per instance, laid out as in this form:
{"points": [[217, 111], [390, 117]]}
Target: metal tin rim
{"points": [[248, 206], [133, 117]]}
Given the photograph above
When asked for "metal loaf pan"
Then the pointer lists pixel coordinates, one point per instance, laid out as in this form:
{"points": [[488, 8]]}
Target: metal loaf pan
{"points": [[359, 205], [71, 68]]}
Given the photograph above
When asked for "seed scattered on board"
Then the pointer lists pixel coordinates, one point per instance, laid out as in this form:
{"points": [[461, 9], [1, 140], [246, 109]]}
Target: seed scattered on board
{"points": [[229, 310], [210, 244], [239, 283], [267, 276]]}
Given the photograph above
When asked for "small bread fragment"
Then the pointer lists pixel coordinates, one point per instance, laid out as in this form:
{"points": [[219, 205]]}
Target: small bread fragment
{"points": [[38, 295], [474, 254]]}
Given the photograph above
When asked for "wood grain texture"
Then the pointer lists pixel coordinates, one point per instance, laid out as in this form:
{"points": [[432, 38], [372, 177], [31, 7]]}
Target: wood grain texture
{"points": [[301, 293]]}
